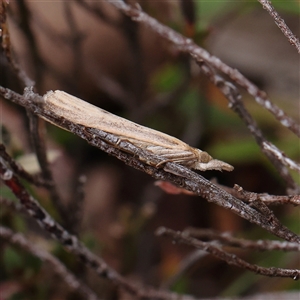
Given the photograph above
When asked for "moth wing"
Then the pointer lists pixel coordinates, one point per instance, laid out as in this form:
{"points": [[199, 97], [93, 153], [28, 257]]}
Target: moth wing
{"points": [[183, 155]]}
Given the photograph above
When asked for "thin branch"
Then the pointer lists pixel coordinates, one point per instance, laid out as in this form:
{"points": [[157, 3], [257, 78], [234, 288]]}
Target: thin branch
{"points": [[60, 38], [37, 139], [130, 155], [281, 156], [277, 157], [18, 169], [41, 152], [7, 47], [25, 27], [229, 258], [267, 5], [267, 199], [225, 238], [74, 284], [76, 39], [186, 45]]}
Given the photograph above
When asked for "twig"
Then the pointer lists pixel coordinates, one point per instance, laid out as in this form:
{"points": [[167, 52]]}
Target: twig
{"points": [[74, 284], [267, 5], [7, 48], [188, 46], [185, 178], [41, 153], [226, 238], [37, 139], [231, 259], [76, 38], [281, 156], [36, 180], [130, 30], [277, 157], [267, 199], [25, 26]]}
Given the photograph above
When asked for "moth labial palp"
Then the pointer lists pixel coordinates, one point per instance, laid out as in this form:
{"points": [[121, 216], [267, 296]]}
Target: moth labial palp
{"points": [[169, 148]]}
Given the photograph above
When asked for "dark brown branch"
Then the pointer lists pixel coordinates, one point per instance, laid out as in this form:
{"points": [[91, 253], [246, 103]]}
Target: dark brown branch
{"points": [[75, 39], [25, 26], [7, 48], [41, 152], [186, 45], [73, 283], [267, 5], [225, 238], [229, 258], [37, 138], [185, 178]]}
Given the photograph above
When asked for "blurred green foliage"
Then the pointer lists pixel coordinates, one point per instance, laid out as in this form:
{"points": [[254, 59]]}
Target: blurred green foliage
{"points": [[167, 78]]}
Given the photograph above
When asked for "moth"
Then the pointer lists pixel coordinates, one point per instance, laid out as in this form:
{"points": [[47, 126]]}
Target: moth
{"points": [[169, 148]]}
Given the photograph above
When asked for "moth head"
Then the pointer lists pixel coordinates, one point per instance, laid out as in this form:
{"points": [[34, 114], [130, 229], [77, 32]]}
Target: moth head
{"points": [[206, 162]]}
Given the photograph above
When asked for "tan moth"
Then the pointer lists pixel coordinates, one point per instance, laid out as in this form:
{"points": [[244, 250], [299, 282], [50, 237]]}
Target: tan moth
{"points": [[167, 147]]}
